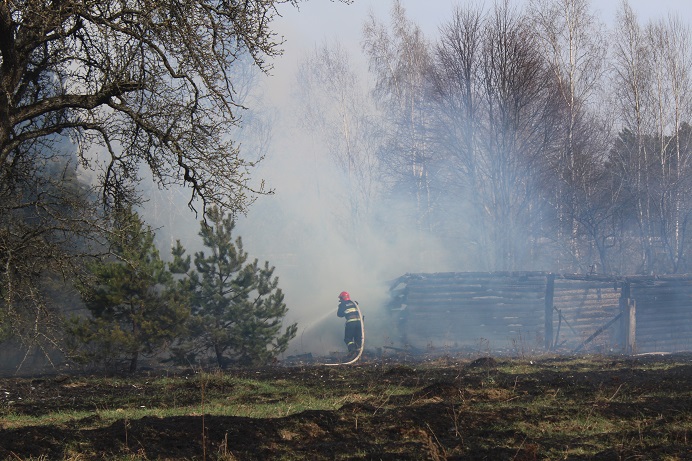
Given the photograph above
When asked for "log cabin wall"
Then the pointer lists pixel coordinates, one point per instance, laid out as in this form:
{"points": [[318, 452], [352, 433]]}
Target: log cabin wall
{"points": [[581, 308], [664, 313], [470, 309], [525, 312]]}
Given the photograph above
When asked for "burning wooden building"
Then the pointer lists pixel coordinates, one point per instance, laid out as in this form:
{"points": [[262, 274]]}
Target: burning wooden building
{"points": [[527, 312]]}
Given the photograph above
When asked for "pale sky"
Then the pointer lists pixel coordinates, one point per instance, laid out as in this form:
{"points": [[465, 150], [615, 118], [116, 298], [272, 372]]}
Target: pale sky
{"points": [[317, 21]]}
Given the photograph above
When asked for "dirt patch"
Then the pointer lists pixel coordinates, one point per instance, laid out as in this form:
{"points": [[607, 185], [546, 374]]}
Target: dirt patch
{"points": [[555, 408]]}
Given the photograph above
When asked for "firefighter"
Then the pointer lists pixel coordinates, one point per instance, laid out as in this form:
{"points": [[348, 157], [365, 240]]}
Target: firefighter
{"points": [[353, 330]]}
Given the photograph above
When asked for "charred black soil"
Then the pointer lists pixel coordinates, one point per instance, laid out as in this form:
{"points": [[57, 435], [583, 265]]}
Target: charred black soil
{"points": [[601, 408]]}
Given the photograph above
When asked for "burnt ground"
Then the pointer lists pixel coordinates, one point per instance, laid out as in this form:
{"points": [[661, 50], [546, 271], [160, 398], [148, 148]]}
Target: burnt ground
{"points": [[601, 408]]}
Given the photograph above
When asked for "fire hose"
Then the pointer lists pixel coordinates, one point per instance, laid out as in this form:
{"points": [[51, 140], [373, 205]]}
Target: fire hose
{"points": [[362, 341]]}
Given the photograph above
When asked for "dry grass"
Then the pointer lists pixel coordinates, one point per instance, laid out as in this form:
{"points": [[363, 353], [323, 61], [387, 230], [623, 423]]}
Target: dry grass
{"points": [[541, 408]]}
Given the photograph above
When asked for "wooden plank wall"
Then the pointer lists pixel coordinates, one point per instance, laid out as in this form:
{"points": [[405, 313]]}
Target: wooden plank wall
{"points": [[664, 314], [472, 309], [507, 310], [581, 308]]}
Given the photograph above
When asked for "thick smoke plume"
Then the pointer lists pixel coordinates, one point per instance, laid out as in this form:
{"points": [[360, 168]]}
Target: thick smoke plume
{"points": [[322, 236]]}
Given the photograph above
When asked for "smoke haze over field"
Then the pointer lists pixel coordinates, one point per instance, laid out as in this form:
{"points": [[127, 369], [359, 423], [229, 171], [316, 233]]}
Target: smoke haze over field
{"points": [[301, 229]]}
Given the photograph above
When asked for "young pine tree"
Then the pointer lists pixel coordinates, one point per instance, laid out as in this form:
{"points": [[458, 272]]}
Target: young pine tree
{"points": [[136, 306], [237, 307]]}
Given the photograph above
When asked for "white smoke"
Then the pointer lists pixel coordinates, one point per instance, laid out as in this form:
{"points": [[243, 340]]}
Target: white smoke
{"points": [[298, 229]]}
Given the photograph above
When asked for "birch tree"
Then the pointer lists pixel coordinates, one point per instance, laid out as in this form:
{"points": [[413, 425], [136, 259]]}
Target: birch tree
{"points": [[339, 111], [572, 41], [399, 59], [651, 74], [671, 68], [631, 82]]}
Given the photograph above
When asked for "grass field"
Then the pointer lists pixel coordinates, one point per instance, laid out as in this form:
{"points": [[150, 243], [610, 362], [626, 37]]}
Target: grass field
{"points": [[432, 408]]}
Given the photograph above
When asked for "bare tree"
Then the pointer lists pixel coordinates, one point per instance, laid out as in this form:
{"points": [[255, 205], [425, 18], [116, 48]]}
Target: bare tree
{"points": [[494, 111], [671, 69], [339, 110], [632, 85], [399, 58], [140, 82], [118, 88], [572, 40], [46, 221], [519, 104], [457, 97], [652, 72]]}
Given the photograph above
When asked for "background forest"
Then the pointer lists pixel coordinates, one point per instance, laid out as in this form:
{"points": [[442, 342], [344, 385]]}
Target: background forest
{"points": [[527, 136]]}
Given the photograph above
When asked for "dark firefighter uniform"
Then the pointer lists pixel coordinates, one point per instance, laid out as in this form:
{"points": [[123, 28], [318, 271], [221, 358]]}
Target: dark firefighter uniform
{"points": [[353, 333]]}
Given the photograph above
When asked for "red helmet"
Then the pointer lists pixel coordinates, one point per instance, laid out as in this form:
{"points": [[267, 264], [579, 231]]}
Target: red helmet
{"points": [[344, 296]]}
